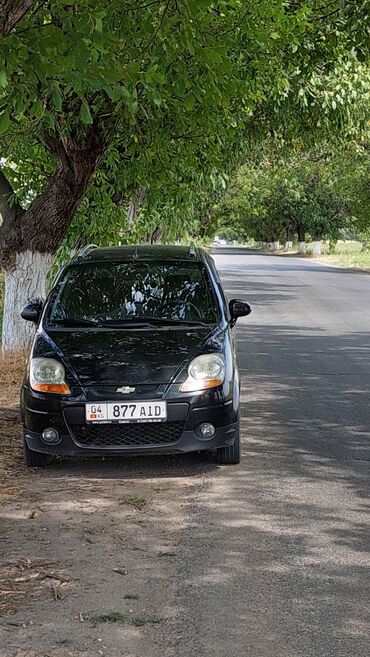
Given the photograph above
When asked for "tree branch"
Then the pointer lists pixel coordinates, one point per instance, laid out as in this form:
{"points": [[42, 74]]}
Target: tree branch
{"points": [[148, 4], [237, 24], [36, 27]]}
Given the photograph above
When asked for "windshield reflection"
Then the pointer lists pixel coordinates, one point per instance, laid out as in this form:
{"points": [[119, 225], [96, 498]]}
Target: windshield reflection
{"points": [[112, 292]]}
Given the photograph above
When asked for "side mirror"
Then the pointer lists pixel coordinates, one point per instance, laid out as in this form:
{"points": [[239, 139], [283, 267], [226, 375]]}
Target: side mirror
{"points": [[32, 311], [237, 309]]}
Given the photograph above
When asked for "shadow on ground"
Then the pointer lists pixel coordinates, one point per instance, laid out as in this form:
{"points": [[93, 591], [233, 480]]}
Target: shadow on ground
{"points": [[138, 467], [277, 560]]}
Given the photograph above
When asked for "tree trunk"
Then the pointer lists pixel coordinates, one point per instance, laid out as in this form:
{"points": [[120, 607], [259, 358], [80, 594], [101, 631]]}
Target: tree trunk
{"points": [[24, 282], [156, 235], [11, 12], [205, 224], [29, 237], [135, 204], [301, 233]]}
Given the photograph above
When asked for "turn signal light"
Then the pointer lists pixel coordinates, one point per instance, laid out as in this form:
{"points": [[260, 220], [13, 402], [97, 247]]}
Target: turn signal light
{"points": [[56, 388], [193, 385]]}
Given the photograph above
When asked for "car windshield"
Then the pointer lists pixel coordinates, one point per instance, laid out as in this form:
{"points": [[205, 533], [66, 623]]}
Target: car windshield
{"points": [[102, 293]]}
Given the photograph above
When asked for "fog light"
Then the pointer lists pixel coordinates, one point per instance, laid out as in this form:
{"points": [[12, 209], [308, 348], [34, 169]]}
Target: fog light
{"points": [[206, 431], [50, 436]]}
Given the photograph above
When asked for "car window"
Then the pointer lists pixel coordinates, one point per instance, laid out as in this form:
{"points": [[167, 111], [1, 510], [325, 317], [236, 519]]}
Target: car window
{"points": [[136, 290]]}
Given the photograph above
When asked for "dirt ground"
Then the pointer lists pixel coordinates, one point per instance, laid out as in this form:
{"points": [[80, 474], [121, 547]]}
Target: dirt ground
{"points": [[87, 548]]}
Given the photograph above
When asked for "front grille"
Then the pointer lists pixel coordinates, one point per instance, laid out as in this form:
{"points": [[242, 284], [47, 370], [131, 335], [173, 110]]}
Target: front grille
{"points": [[142, 391], [127, 435]]}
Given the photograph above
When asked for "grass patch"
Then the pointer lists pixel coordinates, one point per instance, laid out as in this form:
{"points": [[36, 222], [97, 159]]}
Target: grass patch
{"points": [[349, 260], [348, 254], [139, 621], [135, 501], [118, 617], [113, 617]]}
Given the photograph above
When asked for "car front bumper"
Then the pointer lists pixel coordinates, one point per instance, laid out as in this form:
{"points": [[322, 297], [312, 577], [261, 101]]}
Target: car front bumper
{"points": [[77, 437], [189, 442]]}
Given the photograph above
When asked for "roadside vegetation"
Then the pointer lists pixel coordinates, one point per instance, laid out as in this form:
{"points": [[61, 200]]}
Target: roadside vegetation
{"points": [[348, 254], [304, 198]]}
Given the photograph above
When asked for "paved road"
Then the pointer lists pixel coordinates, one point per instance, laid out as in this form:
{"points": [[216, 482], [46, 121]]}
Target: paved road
{"points": [[276, 553], [267, 559]]}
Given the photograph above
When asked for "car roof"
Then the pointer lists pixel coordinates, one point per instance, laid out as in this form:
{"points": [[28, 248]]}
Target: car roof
{"points": [[141, 252]]}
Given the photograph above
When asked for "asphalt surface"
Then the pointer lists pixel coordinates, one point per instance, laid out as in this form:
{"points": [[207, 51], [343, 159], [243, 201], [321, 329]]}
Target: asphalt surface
{"points": [[269, 558], [275, 555]]}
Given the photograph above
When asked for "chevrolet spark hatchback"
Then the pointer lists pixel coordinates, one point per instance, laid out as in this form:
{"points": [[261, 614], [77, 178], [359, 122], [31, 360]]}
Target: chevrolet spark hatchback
{"points": [[134, 353]]}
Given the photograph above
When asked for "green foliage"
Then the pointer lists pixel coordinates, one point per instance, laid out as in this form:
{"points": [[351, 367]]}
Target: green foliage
{"points": [[280, 198], [178, 89]]}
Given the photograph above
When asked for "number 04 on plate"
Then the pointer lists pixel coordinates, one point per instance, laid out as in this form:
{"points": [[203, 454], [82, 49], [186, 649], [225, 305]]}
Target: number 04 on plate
{"points": [[122, 412]]}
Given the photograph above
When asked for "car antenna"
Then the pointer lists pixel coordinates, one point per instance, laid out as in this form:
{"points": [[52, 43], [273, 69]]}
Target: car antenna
{"points": [[192, 249]]}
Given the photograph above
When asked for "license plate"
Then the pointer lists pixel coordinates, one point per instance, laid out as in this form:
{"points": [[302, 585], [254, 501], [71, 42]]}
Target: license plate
{"points": [[152, 411]]}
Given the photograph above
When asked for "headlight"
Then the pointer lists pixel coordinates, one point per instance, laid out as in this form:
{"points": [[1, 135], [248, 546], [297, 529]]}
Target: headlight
{"points": [[47, 375], [206, 371]]}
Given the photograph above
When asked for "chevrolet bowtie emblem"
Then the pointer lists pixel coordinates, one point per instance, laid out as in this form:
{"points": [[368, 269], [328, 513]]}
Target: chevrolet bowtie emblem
{"points": [[125, 389]]}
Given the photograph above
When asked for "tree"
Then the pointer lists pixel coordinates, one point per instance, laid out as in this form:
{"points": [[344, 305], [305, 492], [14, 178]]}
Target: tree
{"points": [[145, 91], [283, 197]]}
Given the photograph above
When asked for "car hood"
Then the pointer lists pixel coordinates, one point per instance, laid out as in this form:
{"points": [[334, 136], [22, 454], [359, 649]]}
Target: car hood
{"points": [[127, 357]]}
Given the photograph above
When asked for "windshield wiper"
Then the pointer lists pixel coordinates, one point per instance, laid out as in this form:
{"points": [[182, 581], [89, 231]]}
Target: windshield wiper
{"points": [[153, 321], [179, 322], [125, 323], [70, 321]]}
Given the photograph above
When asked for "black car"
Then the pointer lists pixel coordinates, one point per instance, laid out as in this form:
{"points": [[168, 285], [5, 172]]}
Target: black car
{"points": [[134, 353]]}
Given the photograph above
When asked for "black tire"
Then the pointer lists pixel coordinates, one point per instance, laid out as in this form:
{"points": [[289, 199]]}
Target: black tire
{"points": [[230, 455], [35, 459]]}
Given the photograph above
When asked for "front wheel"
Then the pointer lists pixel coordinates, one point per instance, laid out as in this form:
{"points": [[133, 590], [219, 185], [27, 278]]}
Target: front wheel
{"points": [[230, 455], [35, 459]]}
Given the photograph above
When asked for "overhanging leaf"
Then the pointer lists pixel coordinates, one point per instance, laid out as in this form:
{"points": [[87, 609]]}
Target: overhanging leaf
{"points": [[85, 114], [3, 79], [4, 121]]}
